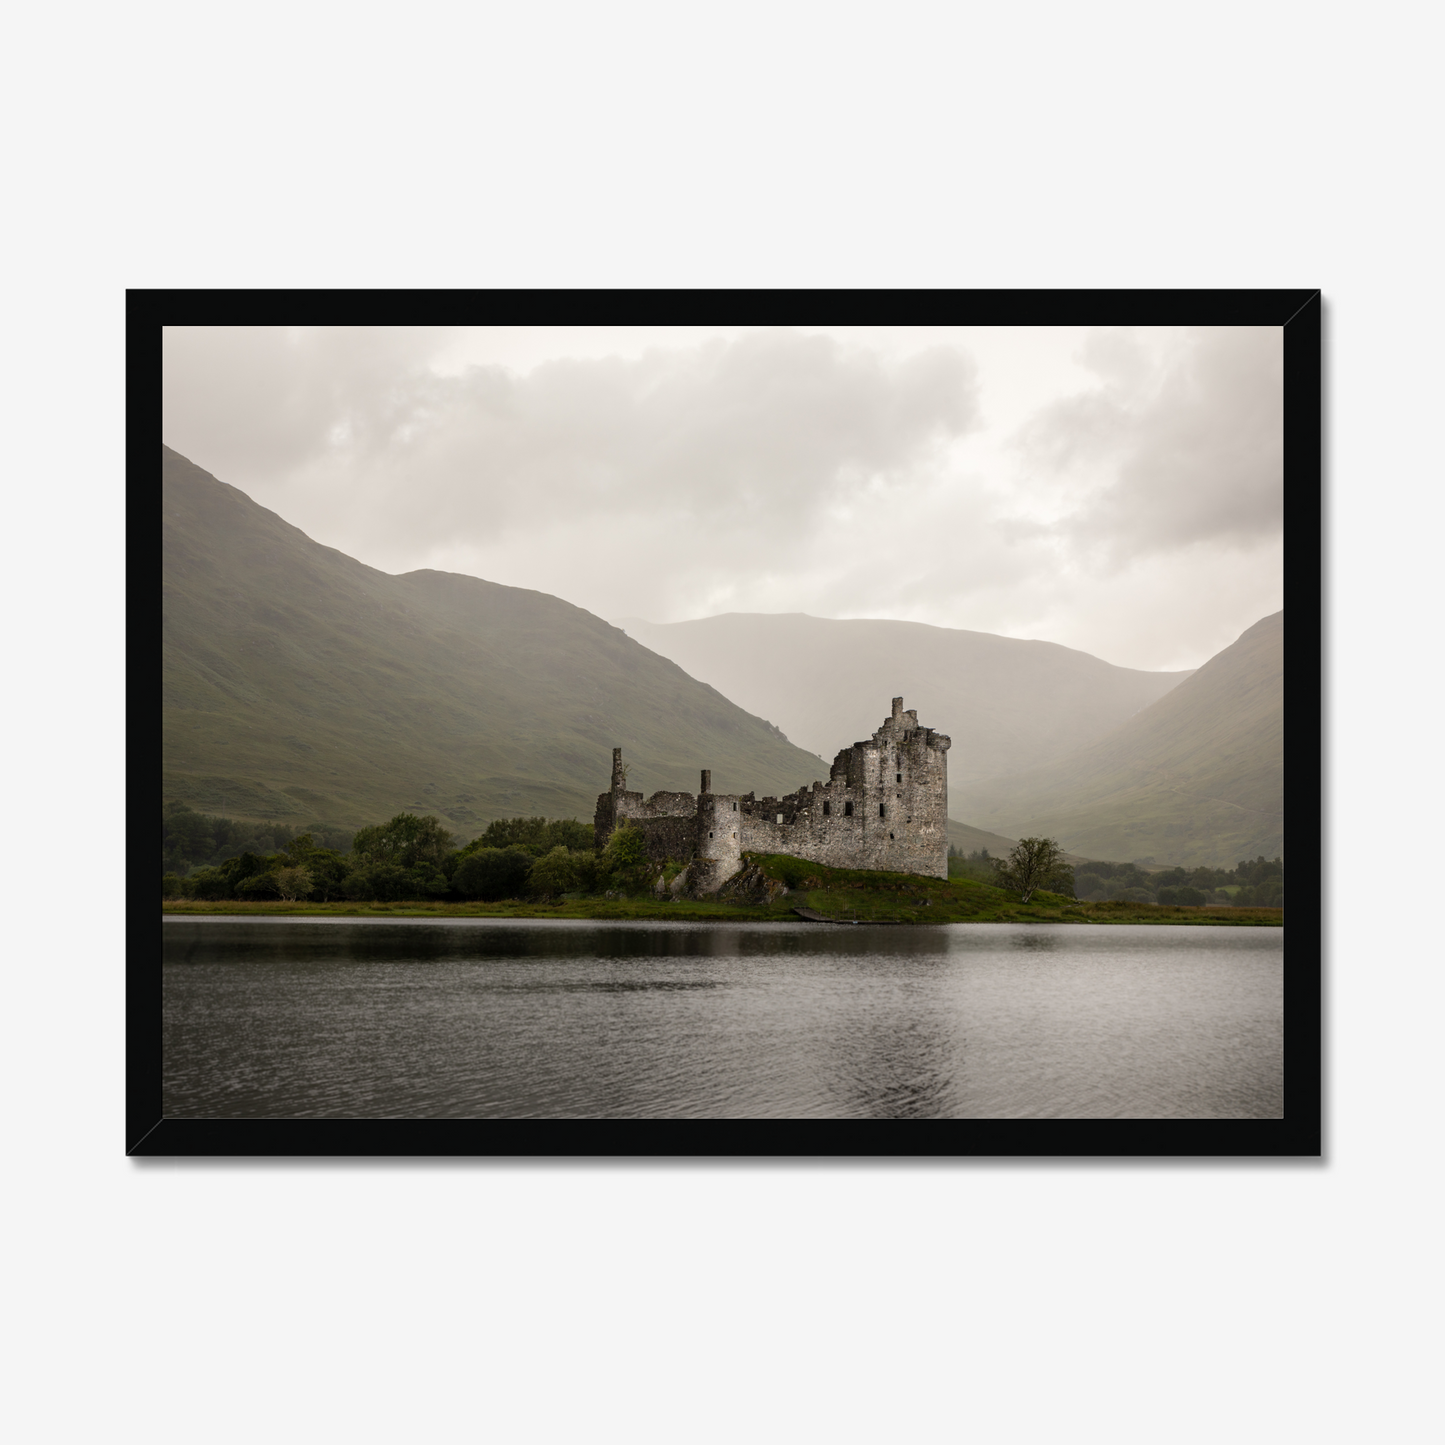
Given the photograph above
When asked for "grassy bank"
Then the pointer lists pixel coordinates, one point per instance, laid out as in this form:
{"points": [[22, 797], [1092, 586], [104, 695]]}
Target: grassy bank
{"points": [[847, 895]]}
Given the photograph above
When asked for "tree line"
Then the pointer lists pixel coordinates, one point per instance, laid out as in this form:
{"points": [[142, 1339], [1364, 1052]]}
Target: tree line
{"points": [[1257, 883], [411, 857], [198, 840]]}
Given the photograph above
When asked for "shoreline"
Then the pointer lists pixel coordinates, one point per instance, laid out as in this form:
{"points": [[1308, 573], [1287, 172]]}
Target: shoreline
{"points": [[825, 911]]}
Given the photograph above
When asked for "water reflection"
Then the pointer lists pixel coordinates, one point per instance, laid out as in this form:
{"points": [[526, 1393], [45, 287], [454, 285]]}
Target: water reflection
{"points": [[580, 1020], [1038, 940], [897, 1067]]}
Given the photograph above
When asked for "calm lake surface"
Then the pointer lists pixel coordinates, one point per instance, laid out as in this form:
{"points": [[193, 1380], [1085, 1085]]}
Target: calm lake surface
{"points": [[523, 1018]]}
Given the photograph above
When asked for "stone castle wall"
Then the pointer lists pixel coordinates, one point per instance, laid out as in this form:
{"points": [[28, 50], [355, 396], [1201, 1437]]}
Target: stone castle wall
{"points": [[884, 806]]}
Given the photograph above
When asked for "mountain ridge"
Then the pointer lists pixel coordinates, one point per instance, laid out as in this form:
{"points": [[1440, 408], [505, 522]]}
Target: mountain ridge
{"points": [[300, 684], [1195, 778], [1007, 703]]}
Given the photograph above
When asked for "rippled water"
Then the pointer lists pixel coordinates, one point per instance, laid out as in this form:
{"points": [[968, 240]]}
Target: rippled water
{"points": [[545, 1019]]}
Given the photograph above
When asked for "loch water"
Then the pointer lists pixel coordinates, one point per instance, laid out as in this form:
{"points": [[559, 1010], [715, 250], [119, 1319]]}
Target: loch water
{"points": [[532, 1018]]}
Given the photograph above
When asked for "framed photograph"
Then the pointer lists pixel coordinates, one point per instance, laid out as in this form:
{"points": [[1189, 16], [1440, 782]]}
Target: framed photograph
{"points": [[765, 712]]}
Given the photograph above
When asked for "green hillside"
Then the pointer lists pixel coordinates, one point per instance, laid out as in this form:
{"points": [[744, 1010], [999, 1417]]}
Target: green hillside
{"points": [[1196, 778], [300, 685]]}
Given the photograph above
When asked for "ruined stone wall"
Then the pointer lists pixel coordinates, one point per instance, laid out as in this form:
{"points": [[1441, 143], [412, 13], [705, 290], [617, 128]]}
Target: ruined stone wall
{"points": [[657, 816], [669, 837], [884, 806], [668, 821], [719, 841]]}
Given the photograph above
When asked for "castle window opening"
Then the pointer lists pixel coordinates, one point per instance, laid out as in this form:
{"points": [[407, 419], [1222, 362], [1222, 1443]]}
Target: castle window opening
{"points": [[900, 777], [735, 807], [827, 807], [780, 817], [890, 837], [847, 810], [881, 813]]}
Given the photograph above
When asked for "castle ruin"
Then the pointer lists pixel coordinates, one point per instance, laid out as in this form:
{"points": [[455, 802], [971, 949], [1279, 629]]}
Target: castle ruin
{"points": [[884, 806]]}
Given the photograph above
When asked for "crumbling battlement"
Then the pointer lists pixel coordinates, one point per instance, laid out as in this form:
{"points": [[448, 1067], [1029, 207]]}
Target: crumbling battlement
{"points": [[884, 806]]}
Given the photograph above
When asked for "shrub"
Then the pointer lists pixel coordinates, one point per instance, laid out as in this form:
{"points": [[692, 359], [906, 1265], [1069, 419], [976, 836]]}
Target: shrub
{"points": [[1184, 895], [553, 874], [537, 836], [493, 873], [624, 864], [292, 883], [1135, 895], [384, 882], [406, 840]]}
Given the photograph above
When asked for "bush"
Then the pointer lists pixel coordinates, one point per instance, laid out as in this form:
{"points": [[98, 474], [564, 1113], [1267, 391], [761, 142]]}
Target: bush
{"points": [[209, 884], [382, 882], [292, 883], [1268, 894], [493, 873], [172, 887], [1134, 895], [259, 885], [1185, 896], [553, 874], [406, 841], [427, 881], [537, 836], [624, 864]]}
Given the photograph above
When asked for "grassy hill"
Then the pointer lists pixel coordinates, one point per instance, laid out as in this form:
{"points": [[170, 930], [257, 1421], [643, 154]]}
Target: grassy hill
{"points": [[300, 685], [1196, 778], [1008, 704]]}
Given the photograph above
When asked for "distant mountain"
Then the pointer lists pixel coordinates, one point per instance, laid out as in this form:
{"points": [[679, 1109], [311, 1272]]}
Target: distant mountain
{"points": [[1197, 777], [301, 685], [1008, 704], [970, 840]]}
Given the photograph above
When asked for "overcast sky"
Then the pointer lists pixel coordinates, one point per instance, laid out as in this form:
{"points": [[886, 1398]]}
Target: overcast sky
{"points": [[1115, 491]]}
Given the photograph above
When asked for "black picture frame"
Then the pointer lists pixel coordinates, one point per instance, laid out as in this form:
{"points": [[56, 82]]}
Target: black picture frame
{"points": [[1299, 1134]]}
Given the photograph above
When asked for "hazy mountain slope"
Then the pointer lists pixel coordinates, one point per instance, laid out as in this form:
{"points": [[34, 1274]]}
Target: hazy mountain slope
{"points": [[1007, 704], [300, 684], [970, 840], [1198, 777]]}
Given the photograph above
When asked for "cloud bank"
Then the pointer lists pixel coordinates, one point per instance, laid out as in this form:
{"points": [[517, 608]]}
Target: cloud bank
{"points": [[1138, 518]]}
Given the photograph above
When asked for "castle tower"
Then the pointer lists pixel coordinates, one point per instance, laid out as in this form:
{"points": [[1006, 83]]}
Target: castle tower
{"points": [[719, 838]]}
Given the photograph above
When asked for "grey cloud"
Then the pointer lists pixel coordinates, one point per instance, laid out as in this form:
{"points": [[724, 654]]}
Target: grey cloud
{"points": [[262, 400], [1170, 456], [772, 425], [772, 472]]}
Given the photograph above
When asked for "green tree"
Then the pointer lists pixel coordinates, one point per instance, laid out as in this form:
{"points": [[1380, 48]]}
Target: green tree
{"points": [[493, 873], [378, 882], [405, 841], [537, 835], [528, 833], [1183, 894], [292, 883], [1032, 866], [327, 869], [553, 874], [624, 863]]}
